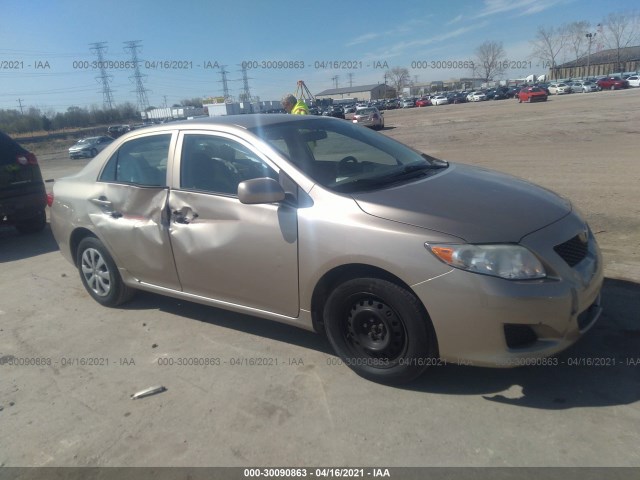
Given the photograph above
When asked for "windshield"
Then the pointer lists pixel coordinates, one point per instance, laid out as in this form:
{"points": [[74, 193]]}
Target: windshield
{"points": [[347, 158]]}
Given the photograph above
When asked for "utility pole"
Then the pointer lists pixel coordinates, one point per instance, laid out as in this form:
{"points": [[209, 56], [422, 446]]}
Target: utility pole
{"points": [[246, 93], [141, 92], [20, 103], [104, 77], [334, 79], [225, 85]]}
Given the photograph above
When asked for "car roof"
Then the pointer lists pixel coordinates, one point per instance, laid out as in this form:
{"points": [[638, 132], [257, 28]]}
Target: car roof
{"points": [[245, 122]]}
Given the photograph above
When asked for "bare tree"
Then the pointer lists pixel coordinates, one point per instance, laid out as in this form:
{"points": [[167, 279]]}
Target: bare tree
{"points": [[621, 30], [490, 61], [577, 38], [547, 45], [398, 78]]}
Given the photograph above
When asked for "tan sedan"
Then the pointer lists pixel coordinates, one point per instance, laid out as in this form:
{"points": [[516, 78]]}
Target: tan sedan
{"points": [[403, 260]]}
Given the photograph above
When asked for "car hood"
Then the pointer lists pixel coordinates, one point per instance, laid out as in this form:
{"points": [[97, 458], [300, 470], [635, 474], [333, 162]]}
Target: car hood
{"points": [[471, 203]]}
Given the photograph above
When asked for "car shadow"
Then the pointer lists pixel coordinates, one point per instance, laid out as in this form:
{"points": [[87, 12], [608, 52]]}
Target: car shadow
{"points": [[232, 320], [602, 369], [17, 246]]}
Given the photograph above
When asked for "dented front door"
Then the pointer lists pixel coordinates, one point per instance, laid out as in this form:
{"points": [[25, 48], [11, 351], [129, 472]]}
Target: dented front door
{"points": [[227, 251]]}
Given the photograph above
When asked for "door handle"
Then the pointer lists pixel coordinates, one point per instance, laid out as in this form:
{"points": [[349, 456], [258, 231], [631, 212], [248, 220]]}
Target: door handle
{"points": [[102, 202], [106, 206]]}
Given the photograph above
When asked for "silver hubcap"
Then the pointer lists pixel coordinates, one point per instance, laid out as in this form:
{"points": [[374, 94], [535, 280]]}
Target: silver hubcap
{"points": [[96, 272]]}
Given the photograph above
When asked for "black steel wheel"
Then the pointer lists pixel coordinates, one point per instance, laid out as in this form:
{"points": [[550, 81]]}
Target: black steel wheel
{"points": [[100, 275], [380, 330]]}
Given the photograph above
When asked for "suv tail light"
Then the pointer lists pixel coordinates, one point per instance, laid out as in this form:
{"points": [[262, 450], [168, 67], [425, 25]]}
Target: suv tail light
{"points": [[26, 159]]}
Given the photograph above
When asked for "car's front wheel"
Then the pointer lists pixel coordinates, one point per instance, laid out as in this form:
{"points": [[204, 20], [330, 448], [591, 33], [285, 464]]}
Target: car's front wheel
{"points": [[380, 330], [100, 275]]}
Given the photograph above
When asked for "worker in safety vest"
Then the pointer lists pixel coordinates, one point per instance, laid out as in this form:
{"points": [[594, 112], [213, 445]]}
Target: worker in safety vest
{"points": [[293, 106]]}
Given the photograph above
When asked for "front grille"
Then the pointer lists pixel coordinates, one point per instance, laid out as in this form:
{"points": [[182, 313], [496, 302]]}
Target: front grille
{"points": [[573, 251]]}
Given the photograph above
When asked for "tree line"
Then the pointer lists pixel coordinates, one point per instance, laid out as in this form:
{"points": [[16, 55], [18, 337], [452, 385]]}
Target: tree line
{"points": [[551, 46], [34, 120]]}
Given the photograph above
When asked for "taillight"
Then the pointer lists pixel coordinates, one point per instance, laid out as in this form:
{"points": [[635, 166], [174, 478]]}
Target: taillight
{"points": [[50, 198], [26, 159]]}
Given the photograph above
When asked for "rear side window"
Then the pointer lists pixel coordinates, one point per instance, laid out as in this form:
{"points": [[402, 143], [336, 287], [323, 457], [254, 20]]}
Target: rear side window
{"points": [[142, 161]]}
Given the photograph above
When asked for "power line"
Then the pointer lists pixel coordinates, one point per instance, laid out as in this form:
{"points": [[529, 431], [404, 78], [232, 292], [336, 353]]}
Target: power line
{"points": [[104, 77], [141, 92]]}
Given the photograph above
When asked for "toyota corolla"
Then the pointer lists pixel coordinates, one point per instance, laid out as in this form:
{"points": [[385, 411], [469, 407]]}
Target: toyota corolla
{"points": [[401, 259]]}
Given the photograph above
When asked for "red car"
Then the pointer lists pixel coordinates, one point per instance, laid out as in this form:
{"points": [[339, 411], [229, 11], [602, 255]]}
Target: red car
{"points": [[532, 94], [612, 83], [423, 102]]}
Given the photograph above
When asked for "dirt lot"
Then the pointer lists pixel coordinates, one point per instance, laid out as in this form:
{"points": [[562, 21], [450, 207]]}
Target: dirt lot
{"points": [[307, 410]]}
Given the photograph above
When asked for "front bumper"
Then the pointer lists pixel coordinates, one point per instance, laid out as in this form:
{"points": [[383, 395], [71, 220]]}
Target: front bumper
{"points": [[80, 154], [487, 321]]}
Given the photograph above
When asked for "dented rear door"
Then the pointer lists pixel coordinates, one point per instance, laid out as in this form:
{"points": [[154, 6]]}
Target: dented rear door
{"points": [[129, 209]]}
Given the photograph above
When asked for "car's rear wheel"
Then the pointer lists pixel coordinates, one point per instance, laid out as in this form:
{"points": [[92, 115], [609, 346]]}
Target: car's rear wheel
{"points": [[94, 152], [380, 330], [100, 275], [34, 224]]}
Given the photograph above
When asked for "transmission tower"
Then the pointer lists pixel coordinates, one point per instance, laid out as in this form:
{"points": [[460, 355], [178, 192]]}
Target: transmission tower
{"points": [[246, 93], [225, 84], [350, 75], [334, 79], [141, 92], [104, 77]]}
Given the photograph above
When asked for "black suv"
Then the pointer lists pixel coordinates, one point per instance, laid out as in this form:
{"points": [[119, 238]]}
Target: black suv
{"points": [[23, 198]]}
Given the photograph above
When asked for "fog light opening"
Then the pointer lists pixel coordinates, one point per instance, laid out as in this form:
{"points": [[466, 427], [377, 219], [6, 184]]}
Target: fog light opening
{"points": [[519, 336]]}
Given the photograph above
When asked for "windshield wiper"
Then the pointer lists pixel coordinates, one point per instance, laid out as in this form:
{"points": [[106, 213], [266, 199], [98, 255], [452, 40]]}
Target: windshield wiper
{"points": [[407, 172]]}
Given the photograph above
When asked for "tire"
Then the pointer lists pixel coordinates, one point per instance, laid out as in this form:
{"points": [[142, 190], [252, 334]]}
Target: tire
{"points": [[94, 152], [33, 225], [380, 330], [100, 275]]}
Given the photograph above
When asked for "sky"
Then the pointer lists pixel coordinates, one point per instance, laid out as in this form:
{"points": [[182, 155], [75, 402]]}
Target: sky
{"points": [[47, 61]]}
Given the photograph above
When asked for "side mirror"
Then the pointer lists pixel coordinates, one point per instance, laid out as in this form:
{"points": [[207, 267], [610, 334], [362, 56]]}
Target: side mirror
{"points": [[260, 190]]}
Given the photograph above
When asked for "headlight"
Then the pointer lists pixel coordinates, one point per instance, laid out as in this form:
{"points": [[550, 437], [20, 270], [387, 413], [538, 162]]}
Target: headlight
{"points": [[512, 262]]}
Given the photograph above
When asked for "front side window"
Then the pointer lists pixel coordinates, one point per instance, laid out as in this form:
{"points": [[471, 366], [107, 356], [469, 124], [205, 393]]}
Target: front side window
{"points": [[215, 164], [141, 161]]}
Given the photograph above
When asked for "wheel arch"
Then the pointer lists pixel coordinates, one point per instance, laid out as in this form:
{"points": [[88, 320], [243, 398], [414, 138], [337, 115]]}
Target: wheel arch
{"points": [[341, 274], [77, 236]]}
